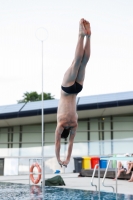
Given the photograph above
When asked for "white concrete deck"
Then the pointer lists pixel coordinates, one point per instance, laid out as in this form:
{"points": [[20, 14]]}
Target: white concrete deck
{"points": [[72, 181]]}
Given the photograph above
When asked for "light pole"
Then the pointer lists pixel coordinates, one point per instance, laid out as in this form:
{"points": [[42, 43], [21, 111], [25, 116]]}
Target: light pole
{"points": [[42, 34]]}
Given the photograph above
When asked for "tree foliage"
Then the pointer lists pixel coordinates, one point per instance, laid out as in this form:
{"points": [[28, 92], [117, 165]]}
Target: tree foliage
{"points": [[34, 96]]}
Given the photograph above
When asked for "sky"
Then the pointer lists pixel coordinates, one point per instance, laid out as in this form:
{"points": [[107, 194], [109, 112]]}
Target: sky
{"points": [[110, 68]]}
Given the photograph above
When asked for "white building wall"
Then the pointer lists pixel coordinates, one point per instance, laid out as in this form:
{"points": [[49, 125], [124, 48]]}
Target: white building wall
{"points": [[107, 127], [31, 133], [16, 136], [94, 129], [107, 136], [82, 132], [123, 130], [50, 132], [94, 137], [123, 127], [3, 137]]}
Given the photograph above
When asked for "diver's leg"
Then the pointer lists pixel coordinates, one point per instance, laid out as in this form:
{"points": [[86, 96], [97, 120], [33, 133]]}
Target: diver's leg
{"points": [[71, 74], [86, 56]]}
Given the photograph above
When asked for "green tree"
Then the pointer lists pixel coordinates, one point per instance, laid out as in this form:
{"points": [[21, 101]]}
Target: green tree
{"points": [[34, 96]]}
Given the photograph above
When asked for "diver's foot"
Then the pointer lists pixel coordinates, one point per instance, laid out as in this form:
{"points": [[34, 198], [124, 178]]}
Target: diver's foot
{"points": [[82, 29], [87, 27]]}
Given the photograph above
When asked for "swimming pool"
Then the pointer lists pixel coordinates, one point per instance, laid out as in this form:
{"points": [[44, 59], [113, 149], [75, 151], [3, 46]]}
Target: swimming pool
{"points": [[12, 191]]}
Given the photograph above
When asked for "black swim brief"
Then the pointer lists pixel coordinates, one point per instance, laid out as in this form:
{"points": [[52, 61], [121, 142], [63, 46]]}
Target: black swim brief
{"points": [[65, 133], [73, 89]]}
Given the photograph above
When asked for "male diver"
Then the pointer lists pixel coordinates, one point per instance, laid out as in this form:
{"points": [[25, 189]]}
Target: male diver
{"points": [[72, 84]]}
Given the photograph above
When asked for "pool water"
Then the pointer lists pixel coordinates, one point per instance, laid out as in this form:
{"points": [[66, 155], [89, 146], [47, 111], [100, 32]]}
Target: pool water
{"points": [[12, 191]]}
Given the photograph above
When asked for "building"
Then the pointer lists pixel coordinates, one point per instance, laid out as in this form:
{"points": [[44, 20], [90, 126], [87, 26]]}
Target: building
{"points": [[105, 127]]}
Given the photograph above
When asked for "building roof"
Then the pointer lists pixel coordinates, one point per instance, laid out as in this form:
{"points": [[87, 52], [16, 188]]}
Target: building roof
{"points": [[106, 101], [94, 102]]}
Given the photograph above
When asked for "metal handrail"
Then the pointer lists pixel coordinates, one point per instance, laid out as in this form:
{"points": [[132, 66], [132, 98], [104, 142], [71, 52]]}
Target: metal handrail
{"points": [[105, 176], [32, 157], [81, 141], [97, 165], [94, 130]]}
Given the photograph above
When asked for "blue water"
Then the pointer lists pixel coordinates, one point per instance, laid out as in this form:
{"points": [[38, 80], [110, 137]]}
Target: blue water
{"points": [[12, 191]]}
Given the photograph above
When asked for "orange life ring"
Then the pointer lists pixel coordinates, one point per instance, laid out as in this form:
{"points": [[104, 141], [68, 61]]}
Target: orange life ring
{"points": [[35, 181]]}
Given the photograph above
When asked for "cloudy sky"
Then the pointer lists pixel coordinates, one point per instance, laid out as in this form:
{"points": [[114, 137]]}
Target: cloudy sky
{"points": [[110, 68]]}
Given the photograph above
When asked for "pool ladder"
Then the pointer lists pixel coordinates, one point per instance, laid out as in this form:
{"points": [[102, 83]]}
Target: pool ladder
{"points": [[105, 176], [97, 166]]}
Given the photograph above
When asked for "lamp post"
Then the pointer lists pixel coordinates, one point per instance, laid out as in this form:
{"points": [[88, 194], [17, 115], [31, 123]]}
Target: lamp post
{"points": [[41, 35]]}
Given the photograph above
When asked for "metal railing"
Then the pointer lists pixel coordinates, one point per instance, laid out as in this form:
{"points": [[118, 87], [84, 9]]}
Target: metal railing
{"points": [[105, 177], [91, 148], [97, 165], [103, 148]]}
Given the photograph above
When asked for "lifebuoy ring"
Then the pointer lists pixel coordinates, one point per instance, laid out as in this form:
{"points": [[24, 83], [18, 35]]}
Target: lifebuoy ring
{"points": [[39, 171]]}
